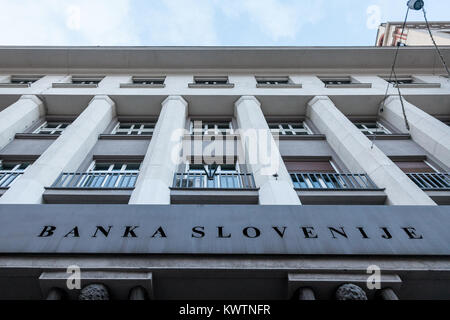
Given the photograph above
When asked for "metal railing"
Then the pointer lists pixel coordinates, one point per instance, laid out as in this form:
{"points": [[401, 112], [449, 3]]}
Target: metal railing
{"points": [[197, 180], [7, 177], [332, 181], [96, 180], [431, 181]]}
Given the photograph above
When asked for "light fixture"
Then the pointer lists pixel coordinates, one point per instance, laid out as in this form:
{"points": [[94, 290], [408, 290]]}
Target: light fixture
{"points": [[415, 4]]}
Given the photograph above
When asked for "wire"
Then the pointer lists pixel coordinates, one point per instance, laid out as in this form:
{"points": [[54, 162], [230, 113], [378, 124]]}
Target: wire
{"points": [[434, 42], [396, 80]]}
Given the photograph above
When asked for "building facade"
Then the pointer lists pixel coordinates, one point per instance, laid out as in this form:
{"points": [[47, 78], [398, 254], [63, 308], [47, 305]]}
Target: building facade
{"points": [[223, 173], [415, 34]]}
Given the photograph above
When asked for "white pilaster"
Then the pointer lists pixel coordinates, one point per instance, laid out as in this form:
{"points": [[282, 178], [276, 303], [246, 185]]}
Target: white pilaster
{"points": [[428, 132], [19, 116], [253, 125], [161, 160], [65, 154], [356, 151]]}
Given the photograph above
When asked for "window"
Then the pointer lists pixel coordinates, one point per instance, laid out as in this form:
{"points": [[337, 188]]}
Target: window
{"points": [[211, 128], [311, 174], [26, 80], [134, 128], [86, 80], [415, 166], [290, 129], [111, 175], [213, 176], [310, 166], [410, 81], [10, 171], [13, 167], [52, 128], [211, 80], [400, 80], [336, 80], [372, 128], [148, 80], [114, 167], [272, 80]]}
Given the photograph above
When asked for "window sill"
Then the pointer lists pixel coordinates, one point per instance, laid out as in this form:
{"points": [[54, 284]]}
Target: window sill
{"points": [[279, 86], [213, 196], [136, 85], [87, 195], [303, 137], [202, 136], [389, 137], [124, 137], [417, 85], [211, 86], [441, 197], [341, 197], [351, 85], [14, 85], [73, 85], [37, 136]]}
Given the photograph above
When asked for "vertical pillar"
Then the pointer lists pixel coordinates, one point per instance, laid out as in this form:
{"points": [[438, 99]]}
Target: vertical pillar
{"points": [[55, 294], [160, 162], [255, 133], [356, 151], [19, 116], [138, 293], [388, 294], [64, 155], [306, 294], [428, 132]]}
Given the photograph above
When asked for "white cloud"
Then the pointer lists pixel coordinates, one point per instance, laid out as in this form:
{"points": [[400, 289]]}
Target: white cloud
{"points": [[278, 19], [53, 22]]}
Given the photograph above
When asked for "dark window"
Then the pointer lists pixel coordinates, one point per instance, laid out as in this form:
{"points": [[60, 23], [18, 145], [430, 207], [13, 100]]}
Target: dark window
{"points": [[414, 166], [211, 81], [309, 166], [148, 80]]}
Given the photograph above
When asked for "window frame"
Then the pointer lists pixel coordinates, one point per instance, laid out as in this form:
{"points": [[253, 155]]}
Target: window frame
{"points": [[153, 80], [141, 131], [205, 127], [86, 80], [26, 80], [42, 128], [282, 131], [377, 123]]}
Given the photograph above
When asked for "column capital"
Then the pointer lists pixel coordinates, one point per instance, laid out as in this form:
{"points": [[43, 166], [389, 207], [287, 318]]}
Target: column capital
{"points": [[175, 98], [32, 97], [390, 99], [317, 98], [243, 98], [103, 97]]}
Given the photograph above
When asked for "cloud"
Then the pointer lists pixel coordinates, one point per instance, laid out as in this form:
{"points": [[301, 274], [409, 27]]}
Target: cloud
{"points": [[181, 22], [278, 19], [78, 22]]}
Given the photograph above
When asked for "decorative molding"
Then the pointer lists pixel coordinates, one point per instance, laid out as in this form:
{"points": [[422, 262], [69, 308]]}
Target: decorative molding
{"points": [[350, 291]]}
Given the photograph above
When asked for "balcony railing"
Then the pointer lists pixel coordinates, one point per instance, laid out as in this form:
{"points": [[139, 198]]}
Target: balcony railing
{"points": [[7, 177], [218, 181], [431, 181], [332, 181], [96, 180]]}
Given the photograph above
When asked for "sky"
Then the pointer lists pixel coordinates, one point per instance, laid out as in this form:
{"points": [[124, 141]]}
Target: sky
{"points": [[203, 22]]}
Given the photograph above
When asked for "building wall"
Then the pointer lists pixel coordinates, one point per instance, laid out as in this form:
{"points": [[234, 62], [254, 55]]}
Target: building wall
{"points": [[329, 111]]}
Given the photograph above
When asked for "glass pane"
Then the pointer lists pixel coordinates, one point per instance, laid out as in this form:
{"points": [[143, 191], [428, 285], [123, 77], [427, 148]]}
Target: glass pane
{"points": [[132, 166], [101, 167]]}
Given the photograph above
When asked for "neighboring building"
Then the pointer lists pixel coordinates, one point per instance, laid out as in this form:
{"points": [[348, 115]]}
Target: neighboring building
{"points": [[89, 139], [415, 34]]}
